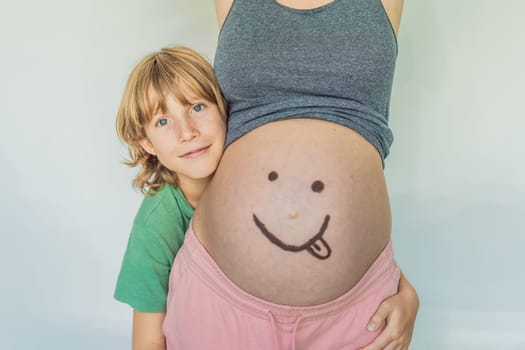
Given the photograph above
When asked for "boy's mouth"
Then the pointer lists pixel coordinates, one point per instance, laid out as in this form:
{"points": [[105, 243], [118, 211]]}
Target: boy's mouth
{"points": [[196, 152]]}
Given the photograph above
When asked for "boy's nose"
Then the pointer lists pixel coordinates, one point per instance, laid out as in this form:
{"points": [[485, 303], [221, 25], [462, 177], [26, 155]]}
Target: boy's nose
{"points": [[187, 131]]}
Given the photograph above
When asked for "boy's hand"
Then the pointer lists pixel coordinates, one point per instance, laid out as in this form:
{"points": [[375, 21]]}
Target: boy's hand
{"points": [[399, 313]]}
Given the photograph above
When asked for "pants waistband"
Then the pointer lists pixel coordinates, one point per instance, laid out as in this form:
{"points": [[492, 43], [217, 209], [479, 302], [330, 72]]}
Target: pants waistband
{"points": [[201, 263]]}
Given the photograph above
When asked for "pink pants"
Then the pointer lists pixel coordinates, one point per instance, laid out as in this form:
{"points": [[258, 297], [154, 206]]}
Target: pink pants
{"points": [[206, 310]]}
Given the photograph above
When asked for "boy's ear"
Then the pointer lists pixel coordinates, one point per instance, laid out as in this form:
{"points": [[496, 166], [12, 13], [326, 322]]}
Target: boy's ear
{"points": [[148, 147]]}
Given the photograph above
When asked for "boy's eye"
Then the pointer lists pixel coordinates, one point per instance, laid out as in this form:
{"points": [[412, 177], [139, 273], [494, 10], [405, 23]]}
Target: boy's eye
{"points": [[198, 107], [162, 122]]}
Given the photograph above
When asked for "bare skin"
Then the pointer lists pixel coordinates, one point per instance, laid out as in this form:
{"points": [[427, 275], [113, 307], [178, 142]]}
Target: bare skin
{"points": [[147, 331], [354, 197]]}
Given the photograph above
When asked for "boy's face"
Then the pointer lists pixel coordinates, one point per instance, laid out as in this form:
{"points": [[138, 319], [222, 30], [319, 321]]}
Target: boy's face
{"points": [[187, 139]]}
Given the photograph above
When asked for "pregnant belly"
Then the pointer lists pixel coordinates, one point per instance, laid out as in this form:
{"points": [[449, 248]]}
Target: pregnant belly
{"points": [[297, 211]]}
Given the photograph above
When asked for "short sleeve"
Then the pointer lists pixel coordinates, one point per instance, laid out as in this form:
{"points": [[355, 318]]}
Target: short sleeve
{"points": [[144, 275]]}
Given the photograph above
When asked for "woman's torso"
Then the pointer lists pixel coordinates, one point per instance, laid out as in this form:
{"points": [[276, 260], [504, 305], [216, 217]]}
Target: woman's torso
{"points": [[298, 209]]}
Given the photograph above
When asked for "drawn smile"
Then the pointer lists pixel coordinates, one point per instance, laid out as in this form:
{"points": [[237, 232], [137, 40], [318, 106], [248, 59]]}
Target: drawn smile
{"points": [[316, 245]]}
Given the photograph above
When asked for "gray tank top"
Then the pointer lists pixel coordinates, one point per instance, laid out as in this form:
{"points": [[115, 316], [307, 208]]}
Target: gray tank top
{"points": [[334, 63]]}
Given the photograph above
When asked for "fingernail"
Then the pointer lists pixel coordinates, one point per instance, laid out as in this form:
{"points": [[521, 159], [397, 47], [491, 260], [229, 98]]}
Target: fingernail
{"points": [[371, 327]]}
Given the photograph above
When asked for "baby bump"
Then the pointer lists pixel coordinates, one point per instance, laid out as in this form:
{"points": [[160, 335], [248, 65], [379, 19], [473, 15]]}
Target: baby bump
{"points": [[297, 211]]}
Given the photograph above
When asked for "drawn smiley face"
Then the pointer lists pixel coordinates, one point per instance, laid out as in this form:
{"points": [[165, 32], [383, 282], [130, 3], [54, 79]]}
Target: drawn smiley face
{"points": [[316, 245]]}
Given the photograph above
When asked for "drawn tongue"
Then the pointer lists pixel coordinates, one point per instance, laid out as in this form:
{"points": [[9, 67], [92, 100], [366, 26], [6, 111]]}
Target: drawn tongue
{"points": [[320, 249]]}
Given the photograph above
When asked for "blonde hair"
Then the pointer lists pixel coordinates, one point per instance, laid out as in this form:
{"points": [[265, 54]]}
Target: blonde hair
{"points": [[174, 71]]}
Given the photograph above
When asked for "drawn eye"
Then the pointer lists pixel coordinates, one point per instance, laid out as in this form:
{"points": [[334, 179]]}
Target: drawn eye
{"points": [[317, 186], [272, 176]]}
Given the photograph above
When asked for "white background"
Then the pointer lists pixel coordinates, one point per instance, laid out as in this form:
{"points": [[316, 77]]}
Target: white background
{"points": [[456, 173]]}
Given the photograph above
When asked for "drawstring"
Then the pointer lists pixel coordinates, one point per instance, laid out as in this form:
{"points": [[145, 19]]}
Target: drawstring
{"points": [[274, 329], [296, 324]]}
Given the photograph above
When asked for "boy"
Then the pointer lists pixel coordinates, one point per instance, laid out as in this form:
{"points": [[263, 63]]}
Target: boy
{"points": [[172, 117]]}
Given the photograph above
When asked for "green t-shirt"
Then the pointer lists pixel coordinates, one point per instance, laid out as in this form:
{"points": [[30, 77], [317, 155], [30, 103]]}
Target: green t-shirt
{"points": [[157, 234]]}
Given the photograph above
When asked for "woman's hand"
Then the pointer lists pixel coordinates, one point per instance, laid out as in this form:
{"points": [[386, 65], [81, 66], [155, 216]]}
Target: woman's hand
{"points": [[399, 313]]}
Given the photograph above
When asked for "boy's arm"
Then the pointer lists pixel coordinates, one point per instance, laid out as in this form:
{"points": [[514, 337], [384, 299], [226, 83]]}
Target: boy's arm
{"points": [[147, 331], [399, 312]]}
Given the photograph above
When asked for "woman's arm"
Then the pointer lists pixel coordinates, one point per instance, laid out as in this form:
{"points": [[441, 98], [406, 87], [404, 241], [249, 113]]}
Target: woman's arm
{"points": [[222, 7], [399, 312], [394, 9], [147, 331]]}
